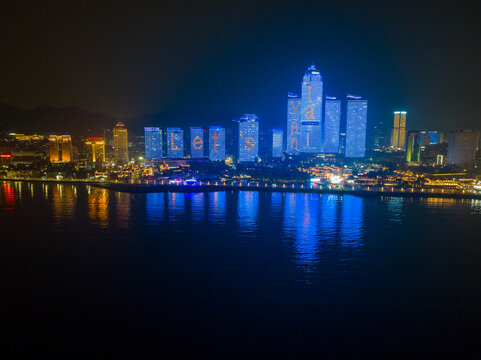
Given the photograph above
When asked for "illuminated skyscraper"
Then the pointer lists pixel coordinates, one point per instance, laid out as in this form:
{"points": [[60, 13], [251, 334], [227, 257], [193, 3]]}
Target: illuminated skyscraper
{"points": [[398, 136], [293, 125], [196, 142], [276, 141], [356, 126], [60, 147], [121, 144], [175, 143], [216, 143], [413, 151], [95, 151], [247, 135], [311, 105], [153, 143], [332, 125]]}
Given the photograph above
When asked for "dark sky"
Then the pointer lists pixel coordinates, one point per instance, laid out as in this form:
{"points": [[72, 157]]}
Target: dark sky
{"points": [[141, 57]]}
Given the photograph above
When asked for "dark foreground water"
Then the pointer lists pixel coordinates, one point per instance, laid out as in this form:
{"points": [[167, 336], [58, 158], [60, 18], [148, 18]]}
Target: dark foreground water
{"points": [[85, 269]]}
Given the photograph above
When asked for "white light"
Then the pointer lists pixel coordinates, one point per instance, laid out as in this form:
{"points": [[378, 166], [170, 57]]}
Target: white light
{"points": [[335, 179]]}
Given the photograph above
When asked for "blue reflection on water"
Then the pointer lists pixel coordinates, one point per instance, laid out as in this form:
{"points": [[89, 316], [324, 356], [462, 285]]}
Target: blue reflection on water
{"points": [[301, 224], [176, 206], [197, 202], [329, 217], [247, 210], [352, 220], [155, 206], [217, 205], [276, 203]]}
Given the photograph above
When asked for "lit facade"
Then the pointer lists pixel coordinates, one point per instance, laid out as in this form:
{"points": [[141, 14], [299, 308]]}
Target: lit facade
{"points": [[356, 125], [413, 151], [196, 142], [332, 125], [153, 143], [216, 143], [398, 135], [60, 148], [175, 143], [95, 150], [429, 137], [276, 141], [121, 144], [247, 138], [293, 124], [311, 106]]}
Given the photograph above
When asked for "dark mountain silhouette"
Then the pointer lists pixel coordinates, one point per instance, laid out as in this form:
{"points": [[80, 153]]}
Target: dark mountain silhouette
{"points": [[78, 122], [57, 120]]}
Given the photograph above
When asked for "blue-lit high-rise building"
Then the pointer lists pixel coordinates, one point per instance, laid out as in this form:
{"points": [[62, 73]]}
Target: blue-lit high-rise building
{"points": [[175, 143], [153, 143], [247, 136], [276, 140], [332, 125], [216, 143], [311, 111], [356, 125], [429, 137], [196, 142], [293, 123]]}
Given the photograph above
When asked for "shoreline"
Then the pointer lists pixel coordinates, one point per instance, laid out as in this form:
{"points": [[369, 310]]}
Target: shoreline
{"points": [[144, 188], [161, 188]]}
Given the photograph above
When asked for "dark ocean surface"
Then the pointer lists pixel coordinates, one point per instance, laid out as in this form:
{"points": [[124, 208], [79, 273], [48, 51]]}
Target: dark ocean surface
{"points": [[87, 270]]}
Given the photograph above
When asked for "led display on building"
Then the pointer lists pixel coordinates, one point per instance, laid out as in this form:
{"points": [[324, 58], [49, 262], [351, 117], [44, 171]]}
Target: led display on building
{"points": [[196, 142], [175, 143], [216, 143], [311, 105], [248, 138], [293, 123]]}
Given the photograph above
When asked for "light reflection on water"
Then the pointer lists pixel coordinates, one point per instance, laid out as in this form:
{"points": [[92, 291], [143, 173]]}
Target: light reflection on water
{"points": [[217, 206], [98, 202], [197, 206], [247, 211], [311, 227]]}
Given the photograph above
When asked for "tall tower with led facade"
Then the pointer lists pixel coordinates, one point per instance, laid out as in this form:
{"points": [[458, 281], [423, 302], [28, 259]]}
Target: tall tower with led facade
{"points": [[216, 143], [175, 143], [311, 111], [247, 138], [293, 123], [356, 124], [121, 144], [196, 142]]}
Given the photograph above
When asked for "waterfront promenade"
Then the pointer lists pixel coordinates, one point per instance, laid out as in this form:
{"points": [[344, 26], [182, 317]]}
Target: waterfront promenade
{"points": [[212, 186]]}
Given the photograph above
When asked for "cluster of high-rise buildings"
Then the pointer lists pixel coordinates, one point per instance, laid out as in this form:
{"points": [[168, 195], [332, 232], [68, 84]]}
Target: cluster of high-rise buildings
{"points": [[308, 131], [462, 144], [314, 125]]}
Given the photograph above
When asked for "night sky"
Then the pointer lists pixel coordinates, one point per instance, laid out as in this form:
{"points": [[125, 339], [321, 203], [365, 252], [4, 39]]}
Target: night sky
{"points": [[237, 56]]}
